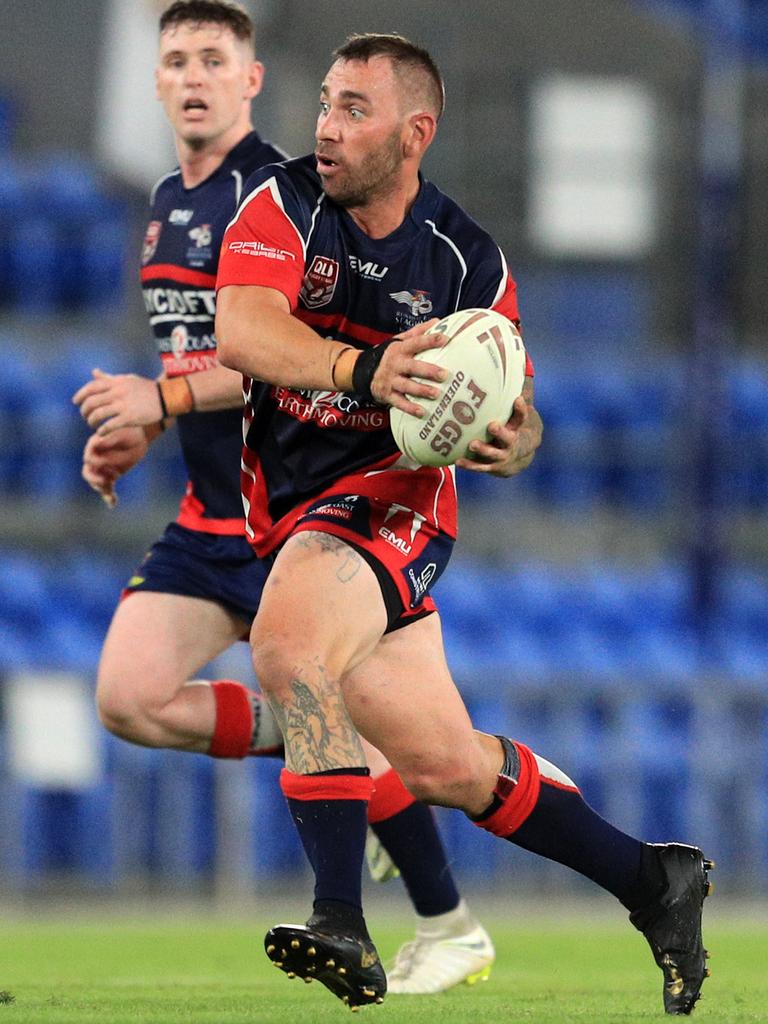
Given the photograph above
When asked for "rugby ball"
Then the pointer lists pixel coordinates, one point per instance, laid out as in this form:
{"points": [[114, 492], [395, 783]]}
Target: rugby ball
{"points": [[485, 357]]}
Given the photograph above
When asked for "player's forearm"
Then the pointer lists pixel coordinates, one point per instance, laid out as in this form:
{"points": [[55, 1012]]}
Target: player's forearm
{"points": [[257, 336], [219, 388]]}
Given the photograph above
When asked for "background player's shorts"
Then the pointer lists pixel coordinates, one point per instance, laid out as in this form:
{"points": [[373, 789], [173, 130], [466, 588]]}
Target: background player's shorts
{"points": [[195, 564], [407, 554]]}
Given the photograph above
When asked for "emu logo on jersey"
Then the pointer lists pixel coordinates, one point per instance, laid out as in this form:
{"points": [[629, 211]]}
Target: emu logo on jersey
{"points": [[417, 301], [369, 270], [319, 282], [182, 217], [151, 238]]}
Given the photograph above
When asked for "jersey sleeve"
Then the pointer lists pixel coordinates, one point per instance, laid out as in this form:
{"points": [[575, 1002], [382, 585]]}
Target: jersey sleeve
{"points": [[491, 286], [263, 243]]}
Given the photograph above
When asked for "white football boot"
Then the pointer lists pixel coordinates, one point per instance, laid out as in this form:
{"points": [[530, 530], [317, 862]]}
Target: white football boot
{"points": [[449, 949], [381, 867]]}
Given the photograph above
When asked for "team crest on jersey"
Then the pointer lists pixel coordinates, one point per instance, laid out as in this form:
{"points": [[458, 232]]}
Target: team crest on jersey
{"points": [[201, 253], [418, 302], [151, 238], [319, 282], [201, 236]]}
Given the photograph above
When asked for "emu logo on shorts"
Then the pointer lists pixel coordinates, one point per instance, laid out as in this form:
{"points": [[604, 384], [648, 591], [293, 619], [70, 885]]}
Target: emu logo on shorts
{"points": [[319, 282]]}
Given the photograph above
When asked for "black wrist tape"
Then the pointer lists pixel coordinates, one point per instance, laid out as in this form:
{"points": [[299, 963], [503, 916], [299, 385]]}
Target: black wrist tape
{"points": [[163, 407], [365, 368]]}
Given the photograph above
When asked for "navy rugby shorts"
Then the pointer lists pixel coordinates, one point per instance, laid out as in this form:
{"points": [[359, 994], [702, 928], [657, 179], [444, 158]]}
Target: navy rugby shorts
{"points": [[406, 553], [218, 568]]}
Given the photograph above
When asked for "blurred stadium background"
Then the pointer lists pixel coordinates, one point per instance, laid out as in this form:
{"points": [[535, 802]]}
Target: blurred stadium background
{"points": [[610, 606]]}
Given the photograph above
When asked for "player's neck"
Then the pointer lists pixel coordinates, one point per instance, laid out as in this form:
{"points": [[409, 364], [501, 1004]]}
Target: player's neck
{"points": [[384, 214], [199, 162]]}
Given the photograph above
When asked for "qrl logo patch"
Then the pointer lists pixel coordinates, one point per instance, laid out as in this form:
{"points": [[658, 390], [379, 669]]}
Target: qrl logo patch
{"points": [[151, 238], [319, 282]]}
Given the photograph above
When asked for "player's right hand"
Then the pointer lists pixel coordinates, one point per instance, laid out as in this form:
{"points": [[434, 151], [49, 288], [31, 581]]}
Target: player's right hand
{"points": [[394, 383], [106, 459], [112, 401]]}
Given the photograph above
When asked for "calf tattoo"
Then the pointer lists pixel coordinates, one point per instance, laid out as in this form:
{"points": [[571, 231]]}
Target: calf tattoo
{"points": [[318, 732]]}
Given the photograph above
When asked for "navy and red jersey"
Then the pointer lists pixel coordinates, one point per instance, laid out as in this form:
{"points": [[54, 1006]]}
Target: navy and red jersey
{"points": [[178, 274], [352, 288]]}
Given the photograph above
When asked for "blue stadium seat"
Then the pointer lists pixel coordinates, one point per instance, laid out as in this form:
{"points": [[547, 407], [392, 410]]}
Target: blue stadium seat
{"points": [[567, 468], [103, 258], [748, 428], [34, 255]]}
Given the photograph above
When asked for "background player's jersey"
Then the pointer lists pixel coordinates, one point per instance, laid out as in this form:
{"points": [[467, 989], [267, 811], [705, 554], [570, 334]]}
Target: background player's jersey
{"points": [[353, 288], [178, 275]]}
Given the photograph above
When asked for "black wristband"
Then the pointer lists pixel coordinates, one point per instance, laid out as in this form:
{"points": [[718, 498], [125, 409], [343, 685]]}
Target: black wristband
{"points": [[163, 407], [365, 367]]}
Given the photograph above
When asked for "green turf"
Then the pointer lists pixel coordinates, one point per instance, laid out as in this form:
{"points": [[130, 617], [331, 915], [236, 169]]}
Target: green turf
{"points": [[213, 972]]}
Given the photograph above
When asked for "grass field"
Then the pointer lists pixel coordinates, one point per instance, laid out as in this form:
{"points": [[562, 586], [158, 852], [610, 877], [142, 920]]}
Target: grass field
{"points": [[212, 971]]}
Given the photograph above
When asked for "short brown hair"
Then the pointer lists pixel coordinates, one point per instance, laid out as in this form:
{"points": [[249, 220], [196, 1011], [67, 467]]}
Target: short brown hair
{"points": [[219, 12], [405, 57]]}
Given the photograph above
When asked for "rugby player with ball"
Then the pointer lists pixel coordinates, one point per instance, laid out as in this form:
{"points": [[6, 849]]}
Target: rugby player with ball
{"points": [[355, 650]]}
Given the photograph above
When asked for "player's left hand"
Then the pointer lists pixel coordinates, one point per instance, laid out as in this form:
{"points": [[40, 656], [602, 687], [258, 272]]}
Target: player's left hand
{"points": [[114, 400], [403, 375], [512, 445], [106, 459]]}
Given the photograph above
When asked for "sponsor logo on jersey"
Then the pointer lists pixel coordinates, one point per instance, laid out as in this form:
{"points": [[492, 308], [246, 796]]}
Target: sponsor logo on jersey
{"points": [[199, 303], [259, 249], [329, 409], [201, 236], [151, 238], [319, 282], [182, 217], [179, 340], [188, 363], [418, 302], [369, 270]]}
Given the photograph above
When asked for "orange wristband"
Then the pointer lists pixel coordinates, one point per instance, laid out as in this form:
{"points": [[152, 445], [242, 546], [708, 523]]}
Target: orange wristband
{"points": [[176, 396]]}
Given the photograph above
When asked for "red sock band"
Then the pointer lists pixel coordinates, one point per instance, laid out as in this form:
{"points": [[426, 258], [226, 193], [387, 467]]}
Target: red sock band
{"points": [[517, 801], [233, 732], [325, 787], [389, 797]]}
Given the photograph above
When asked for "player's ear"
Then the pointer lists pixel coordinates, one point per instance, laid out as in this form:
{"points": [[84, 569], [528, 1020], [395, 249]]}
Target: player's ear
{"points": [[255, 80], [421, 131]]}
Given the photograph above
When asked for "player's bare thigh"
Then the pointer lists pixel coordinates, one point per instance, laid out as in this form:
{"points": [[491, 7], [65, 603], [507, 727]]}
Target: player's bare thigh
{"points": [[321, 604], [157, 642], [403, 700]]}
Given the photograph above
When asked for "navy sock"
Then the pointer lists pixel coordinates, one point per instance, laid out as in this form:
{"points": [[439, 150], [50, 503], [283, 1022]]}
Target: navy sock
{"points": [[333, 834], [411, 839], [564, 828]]}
